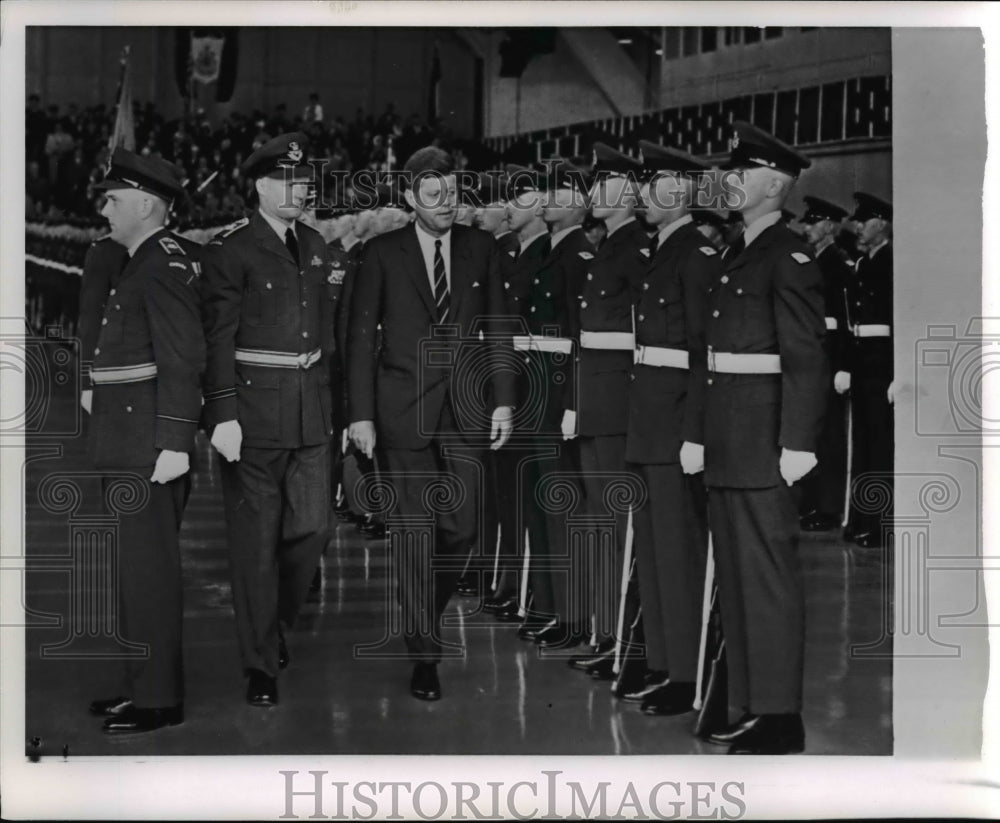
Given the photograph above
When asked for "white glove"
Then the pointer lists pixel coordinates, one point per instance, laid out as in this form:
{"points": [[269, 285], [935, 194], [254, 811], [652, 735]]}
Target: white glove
{"points": [[795, 465], [502, 426], [170, 465], [842, 381], [569, 425], [362, 435], [87, 399], [227, 439], [891, 393], [692, 457]]}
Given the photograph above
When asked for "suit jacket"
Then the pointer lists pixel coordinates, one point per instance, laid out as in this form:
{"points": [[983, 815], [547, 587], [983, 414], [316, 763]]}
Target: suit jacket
{"points": [[613, 278], [150, 318], [768, 299], [403, 383], [869, 302], [666, 404], [258, 298]]}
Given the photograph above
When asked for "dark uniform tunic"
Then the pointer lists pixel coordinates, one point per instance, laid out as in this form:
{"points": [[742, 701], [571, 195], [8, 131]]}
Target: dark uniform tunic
{"points": [[148, 355], [666, 408], [270, 329], [769, 299], [609, 289], [869, 361]]}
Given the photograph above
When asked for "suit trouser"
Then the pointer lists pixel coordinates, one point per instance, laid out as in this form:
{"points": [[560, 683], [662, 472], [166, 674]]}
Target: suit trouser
{"points": [[427, 570], [671, 548], [755, 537], [277, 503], [823, 487], [596, 559], [510, 517], [150, 592], [872, 451]]}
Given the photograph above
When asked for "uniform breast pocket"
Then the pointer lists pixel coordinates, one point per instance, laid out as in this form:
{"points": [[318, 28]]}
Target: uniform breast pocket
{"points": [[753, 302], [259, 410], [265, 301]]}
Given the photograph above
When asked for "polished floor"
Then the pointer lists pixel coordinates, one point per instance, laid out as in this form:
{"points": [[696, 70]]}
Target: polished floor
{"points": [[499, 696]]}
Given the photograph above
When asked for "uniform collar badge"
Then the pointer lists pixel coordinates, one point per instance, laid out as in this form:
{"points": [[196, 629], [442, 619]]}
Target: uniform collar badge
{"points": [[315, 261]]}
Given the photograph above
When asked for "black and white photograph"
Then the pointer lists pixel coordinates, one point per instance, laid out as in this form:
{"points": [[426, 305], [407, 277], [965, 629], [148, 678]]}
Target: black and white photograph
{"points": [[525, 381]]}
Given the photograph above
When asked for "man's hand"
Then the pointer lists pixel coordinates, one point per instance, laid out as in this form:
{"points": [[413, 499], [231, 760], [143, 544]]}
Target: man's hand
{"points": [[169, 466], [362, 435], [502, 426], [87, 399], [692, 457], [227, 439], [842, 381], [569, 425], [891, 393], [795, 465]]}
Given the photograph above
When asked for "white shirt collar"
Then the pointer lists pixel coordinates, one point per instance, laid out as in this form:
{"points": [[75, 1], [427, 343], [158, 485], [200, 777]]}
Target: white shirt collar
{"points": [[668, 230], [351, 245], [612, 231], [279, 227], [756, 228], [427, 241], [557, 238], [135, 246], [530, 240]]}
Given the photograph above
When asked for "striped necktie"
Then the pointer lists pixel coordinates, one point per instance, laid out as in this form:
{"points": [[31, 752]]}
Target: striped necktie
{"points": [[441, 296]]}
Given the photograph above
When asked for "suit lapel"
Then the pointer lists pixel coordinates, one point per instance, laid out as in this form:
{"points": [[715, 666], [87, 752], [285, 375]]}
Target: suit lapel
{"points": [[415, 267], [267, 238]]}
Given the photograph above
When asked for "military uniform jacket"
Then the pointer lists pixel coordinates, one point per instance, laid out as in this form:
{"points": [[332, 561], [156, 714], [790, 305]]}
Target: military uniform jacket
{"points": [[836, 273], [611, 286], [869, 302], [402, 378], [666, 404], [768, 299], [148, 359], [259, 303]]}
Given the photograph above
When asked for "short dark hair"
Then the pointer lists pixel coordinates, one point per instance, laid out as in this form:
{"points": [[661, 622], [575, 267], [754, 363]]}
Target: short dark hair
{"points": [[428, 159]]}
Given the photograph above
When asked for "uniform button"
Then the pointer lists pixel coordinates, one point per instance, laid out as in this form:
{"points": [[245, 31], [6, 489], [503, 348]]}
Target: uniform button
{"points": [[517, 299], [267, 285], [97, 351], [532, 308], [642, 317], [709, 381], [305, 334], [104, 322], [113, 292], [645, 286], [631, 377], [304, 303], [536, 281], [715, 313], [725, 278], [118, 306], [583, 305], [248, 382], [739, 291], [857, 302], [548, 294], [662, 301], [602, 292], [128, 409], [589, 276]]}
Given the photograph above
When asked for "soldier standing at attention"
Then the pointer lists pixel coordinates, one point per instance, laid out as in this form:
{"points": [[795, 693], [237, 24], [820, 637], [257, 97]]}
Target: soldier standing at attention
{"points": [[269, 329], [823, 488], [764, 404], [147, 361]]}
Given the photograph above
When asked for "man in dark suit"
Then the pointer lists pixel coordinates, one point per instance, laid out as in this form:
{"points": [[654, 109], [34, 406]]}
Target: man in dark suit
{"points": [[148, 355], [607, 342], [764, 403], [432, 287], [666, 409], [823, 488], [270, 330], [869, 370]]}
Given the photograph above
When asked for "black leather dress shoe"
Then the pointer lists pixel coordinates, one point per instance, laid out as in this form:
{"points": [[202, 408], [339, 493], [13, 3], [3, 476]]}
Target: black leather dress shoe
{"points": [[868, 540], [772, 734], [584, 661], [631, 675], [134, 720], [724, 737], [820, 522], [110, 707], [672, 698], [510, 613], [262, 690], [283, 657], [498, 602], [650, 683], [560, 636], [534, 626], [467, 587], [603, 669], [424, 684], [344, 513]]}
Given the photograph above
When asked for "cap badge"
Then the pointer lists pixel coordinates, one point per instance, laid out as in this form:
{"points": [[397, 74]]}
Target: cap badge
{"points": [[736, 140], [294, 152]]}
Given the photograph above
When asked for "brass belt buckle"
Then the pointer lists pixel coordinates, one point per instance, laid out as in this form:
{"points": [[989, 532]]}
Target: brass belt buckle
{"points": [[303, 360]]}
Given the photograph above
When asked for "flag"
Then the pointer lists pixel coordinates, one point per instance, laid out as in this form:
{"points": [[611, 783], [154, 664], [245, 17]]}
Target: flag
{"points": [[433, 106], [206, 58], [124, 131]]}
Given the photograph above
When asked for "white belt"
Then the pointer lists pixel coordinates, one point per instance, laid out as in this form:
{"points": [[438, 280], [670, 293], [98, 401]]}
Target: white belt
{"points": [[831, 323], [531, 342], [727, 363], [611, 340], [123, 374], [872, 330], [661, 356], [278, 359]]}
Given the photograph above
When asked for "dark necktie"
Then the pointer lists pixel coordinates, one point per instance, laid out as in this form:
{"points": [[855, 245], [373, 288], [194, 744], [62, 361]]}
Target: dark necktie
{"points": [[654, 244], [441, 297], [738, 246], [292, 244]]}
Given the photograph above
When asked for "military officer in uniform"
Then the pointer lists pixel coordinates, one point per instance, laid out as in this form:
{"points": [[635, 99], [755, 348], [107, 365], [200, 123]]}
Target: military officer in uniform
{"points": [[764, 403], [147, 360], [600, 419], [270, 331], [666, 409], [868, 373], [823, 488]]}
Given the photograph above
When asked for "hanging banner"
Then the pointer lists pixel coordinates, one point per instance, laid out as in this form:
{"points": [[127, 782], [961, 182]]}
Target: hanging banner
{"points": [[206, 58]]}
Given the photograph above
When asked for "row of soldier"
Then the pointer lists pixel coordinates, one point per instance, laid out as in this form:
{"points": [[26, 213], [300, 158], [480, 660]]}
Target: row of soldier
{"points": [[699, 379]]}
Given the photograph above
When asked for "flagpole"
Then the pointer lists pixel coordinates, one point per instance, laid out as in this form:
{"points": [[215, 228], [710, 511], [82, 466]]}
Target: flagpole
{"points": [[123, 63]]}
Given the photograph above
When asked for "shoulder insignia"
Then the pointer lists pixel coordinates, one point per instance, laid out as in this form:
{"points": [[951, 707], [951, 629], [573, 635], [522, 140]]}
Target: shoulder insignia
{"points": [[644, 252], [197, 268], [315, 261], [234, 227], [171, 246], [178, 265], [586, 255], [799, 257], [708, 251]]}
